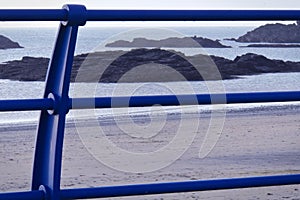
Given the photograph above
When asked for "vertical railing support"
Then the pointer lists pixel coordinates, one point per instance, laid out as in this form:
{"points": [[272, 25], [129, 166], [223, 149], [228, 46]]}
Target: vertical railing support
{"points": [[49, 143]]}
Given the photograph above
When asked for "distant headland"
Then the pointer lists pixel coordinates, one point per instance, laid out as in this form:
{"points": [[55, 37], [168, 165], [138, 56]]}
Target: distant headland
{"points": [[6, 43], [175, 42], [272, 33]]}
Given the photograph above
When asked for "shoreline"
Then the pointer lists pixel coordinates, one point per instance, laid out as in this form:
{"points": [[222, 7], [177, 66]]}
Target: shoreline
{"points": [[255, 109]]}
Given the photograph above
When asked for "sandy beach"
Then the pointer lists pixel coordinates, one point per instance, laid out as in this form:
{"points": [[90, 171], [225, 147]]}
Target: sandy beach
{"points": [[253, 142]]}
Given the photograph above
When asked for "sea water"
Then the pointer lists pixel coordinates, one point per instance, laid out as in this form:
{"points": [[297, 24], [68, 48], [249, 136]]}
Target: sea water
{"points": [[39, 42], [260, 83]]}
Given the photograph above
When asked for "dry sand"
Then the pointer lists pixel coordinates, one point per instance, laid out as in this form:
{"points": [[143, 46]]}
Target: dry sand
{"points": [[252, 143]]}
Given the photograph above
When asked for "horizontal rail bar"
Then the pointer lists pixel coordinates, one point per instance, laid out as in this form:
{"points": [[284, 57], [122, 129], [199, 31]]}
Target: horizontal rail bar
{"points": [[173, 100], [30, 195], [150, 15], [263, 97], [141, 101], [191, 15], [175, 187], [33, 15], [160, 188], [26, 104]]}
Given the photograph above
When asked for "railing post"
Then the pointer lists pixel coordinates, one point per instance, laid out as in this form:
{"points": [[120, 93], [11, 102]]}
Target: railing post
{"points": [[49, 142]]}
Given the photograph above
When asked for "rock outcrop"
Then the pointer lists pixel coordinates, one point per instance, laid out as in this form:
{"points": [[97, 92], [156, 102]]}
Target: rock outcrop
{"points": [[253, 64], [272, 33], [27, 69], [186, 42], [6, 43], [164, 66]]}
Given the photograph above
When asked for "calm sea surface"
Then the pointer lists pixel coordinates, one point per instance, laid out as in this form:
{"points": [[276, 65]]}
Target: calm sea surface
{"points": [[39, 42]]}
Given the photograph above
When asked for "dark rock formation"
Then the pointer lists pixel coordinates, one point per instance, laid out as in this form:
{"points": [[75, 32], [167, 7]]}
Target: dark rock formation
{"points": [[253, 64], [157, 60], [272, 33], [6, 43], [185, 42], [27, 69], [150, 65]]}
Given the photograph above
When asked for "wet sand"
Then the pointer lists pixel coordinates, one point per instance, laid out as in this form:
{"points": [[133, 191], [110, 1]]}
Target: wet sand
{"points": [[252, 143]]}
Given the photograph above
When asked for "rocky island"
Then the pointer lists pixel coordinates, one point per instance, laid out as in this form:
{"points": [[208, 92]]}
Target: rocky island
{"points": [[34, 69], [272, 33], [185, 42], [6, 43]]}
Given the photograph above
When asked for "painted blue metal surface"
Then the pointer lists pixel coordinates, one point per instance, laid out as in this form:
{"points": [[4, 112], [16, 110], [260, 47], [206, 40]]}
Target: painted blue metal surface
{"points": [[56, 103], [33, 15], [49, 144], [150, 15], [26, 104], [141, 101], [172, 100], [174, 187], [191, 15]]}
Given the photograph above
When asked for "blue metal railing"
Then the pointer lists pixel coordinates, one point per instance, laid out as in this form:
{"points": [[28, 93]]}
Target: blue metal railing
{"points": [[56, 103], [141, 101]]}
